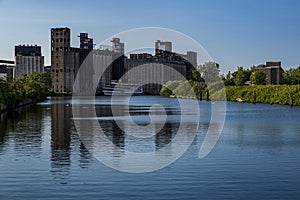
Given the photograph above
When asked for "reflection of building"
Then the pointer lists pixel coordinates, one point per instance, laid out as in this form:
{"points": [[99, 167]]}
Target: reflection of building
{"points": [[28, 59], [60, 125], [60, 138], [66, 60], [272, 70]]}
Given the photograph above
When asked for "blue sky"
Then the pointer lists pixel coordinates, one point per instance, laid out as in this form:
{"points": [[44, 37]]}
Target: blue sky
{"points": [[234, 32]]}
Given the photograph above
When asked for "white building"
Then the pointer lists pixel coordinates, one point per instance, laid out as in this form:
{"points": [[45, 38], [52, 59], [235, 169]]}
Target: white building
{"points": [[28, 59]]}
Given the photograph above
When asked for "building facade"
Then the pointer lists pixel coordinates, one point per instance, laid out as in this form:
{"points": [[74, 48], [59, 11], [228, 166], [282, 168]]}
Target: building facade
{"points": [[155, 70], [28, 59], [66, 60], [273, 72]]}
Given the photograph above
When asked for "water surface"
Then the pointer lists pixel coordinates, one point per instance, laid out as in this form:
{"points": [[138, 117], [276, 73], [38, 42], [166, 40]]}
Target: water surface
{"points": [[257, 156]]}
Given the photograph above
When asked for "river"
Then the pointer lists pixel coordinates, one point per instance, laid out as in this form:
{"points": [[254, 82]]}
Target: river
{"points": [[256, 157]]}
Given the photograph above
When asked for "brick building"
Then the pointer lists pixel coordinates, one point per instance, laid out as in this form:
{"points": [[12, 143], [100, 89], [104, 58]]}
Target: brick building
{"points": [[66, 60]]}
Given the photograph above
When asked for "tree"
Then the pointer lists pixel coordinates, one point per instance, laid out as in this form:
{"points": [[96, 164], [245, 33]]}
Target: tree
{"points": [[38, 85], [258, 78], [196, 76], [241, 76], [228, 79], [291, 76], [210, 72]]}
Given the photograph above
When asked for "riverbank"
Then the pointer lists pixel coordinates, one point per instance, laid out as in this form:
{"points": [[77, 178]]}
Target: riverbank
{"points": [[24, 90], [266, 94]]}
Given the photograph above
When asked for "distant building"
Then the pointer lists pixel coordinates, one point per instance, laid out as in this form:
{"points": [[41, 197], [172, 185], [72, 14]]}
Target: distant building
{"points": [[66, 60], [163, 46], [272, 70], [153, 70], [28, 59], [3, 72], [6, 69], [47, 68]]}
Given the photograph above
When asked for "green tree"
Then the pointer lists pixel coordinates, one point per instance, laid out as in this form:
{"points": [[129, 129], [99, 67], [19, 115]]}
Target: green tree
{"points": [[228, 79], [258, 78], [210, 72], [241, 76], [38, 85], [196, 76], [291, 76]]}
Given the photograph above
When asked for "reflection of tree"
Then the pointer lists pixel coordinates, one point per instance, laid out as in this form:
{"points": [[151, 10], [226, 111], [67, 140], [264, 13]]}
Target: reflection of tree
{"points": [[60, 139], [5, 123], [165, 135], [26, 135], [85, 156]]}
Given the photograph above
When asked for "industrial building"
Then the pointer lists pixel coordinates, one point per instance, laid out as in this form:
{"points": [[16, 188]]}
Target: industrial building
{"points": [[28, 59], [66, 60], [154, 67]]}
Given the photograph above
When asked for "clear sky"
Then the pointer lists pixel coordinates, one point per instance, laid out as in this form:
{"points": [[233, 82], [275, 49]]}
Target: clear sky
{"points": [[234, 32]]}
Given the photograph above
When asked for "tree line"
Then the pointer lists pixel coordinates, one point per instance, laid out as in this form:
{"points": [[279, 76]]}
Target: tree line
{"points": [[241, 76], [34, 88], [207, 83]]}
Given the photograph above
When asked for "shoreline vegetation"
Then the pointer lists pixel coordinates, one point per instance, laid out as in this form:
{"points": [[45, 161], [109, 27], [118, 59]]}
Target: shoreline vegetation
{"points": [[266, 94], [207, 83], [25, 90]]}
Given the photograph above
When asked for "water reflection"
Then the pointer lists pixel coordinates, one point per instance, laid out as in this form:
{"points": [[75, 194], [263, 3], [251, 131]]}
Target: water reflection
{"points": [[60, 139], [23, 127], [122, 133]]}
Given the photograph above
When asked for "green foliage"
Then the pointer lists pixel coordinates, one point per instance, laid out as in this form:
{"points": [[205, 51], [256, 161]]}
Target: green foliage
{"points": [[270, 94], [291, 76], [35, 87], [210, 72], [258, 78], [241, 76], [169, 87], [228, 79], [196, 76]]}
